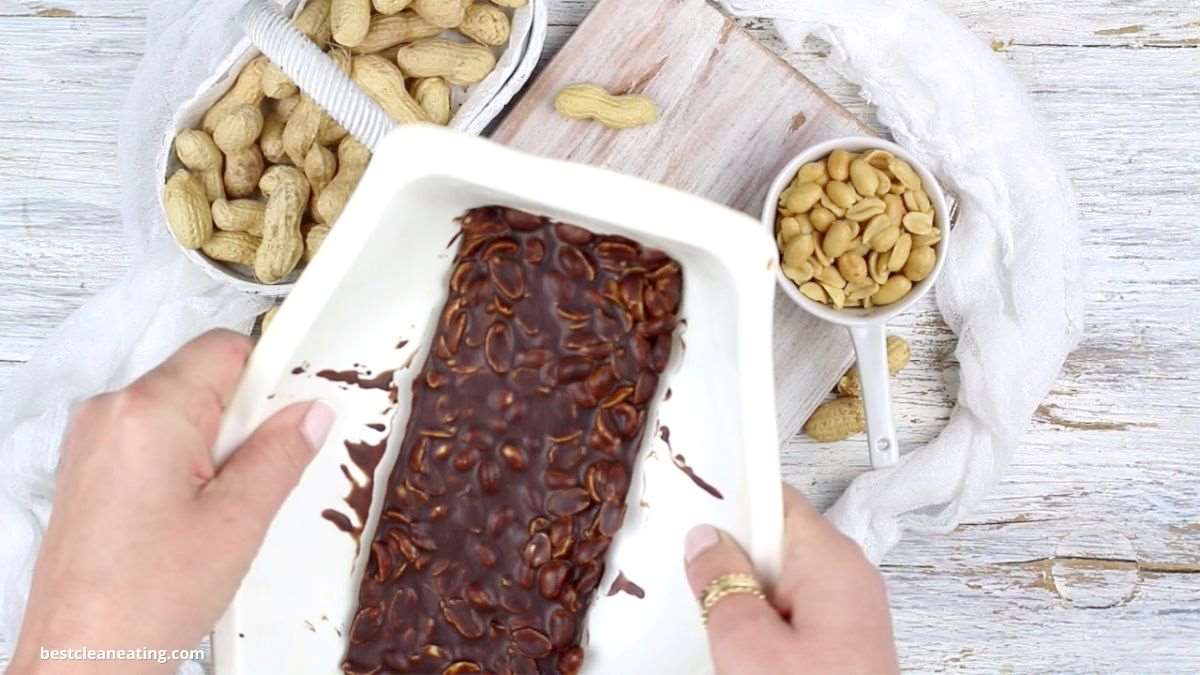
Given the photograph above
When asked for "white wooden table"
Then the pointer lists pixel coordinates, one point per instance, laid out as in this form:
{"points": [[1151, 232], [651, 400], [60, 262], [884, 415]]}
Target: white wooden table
{"points": [[1087, 556]]}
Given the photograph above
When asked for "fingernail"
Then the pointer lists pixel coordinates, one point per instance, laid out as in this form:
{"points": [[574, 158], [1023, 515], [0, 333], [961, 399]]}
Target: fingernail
{"points": [[698, 540], [317, 423]]}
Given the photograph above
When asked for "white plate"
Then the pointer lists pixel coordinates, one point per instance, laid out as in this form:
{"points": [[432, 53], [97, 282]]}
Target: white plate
{"points": [[478, 105], [382, 276]]}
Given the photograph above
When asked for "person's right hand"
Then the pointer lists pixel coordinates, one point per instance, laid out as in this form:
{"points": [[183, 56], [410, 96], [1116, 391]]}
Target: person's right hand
{"points": [[828, 613]]}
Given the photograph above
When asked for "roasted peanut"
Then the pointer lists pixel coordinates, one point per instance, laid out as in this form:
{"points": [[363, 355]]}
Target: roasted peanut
{"points": [[384, 82], [388, 31], [188, 213], [839, 165], [239, 128], [390, 6], [243, 169], [486, 24], [302, 130], [444, 13], [904, 173], [197, 151], [841, 194], [864, 177], [800, 198], [460, 64], [813, 172], [275, 83], [895, 288], [920, 263], [314, 21], [282, 246], [232, 247], [836, 420], [313, 241], [284, 107], [350, 21], [271, 139], [239, 215], [320, 166], [588, 101], [246, 90], [352, 162], [898, 355], [433, 95]]}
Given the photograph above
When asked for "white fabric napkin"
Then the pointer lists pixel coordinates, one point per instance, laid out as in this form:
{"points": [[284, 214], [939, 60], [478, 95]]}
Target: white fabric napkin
{"points": [[1012, 287]]}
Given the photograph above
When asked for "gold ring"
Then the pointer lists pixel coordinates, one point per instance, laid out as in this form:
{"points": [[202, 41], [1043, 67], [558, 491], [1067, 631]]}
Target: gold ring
{"points": [[725, 586]]}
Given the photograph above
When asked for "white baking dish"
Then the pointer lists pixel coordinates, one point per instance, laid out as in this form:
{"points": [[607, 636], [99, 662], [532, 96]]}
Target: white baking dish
{"points": [[476, 107], [381, 278]]}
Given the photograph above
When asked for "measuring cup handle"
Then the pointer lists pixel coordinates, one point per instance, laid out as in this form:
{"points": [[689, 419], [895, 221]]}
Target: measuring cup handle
{"points": [[870, 345]]}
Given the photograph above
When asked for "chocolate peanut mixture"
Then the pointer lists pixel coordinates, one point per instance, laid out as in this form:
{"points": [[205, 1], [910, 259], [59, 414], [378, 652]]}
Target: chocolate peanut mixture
{"points": [[513, 472]]}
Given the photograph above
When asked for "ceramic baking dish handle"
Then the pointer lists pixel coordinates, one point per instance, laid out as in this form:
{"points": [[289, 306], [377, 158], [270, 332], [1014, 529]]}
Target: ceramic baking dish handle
{"points": [[314, 73]]}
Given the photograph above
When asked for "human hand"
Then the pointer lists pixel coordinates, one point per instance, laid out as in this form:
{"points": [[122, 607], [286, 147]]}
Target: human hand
{"points": [[148, 541], [828, 613]]}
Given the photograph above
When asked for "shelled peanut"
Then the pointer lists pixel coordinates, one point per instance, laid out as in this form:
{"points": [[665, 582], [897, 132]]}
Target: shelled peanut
{"points": [[842, 417], [857, 229], [268, 172]]}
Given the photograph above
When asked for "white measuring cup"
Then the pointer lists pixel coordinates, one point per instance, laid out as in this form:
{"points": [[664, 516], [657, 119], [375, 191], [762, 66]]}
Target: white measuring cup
{"points": [[867, 326]]}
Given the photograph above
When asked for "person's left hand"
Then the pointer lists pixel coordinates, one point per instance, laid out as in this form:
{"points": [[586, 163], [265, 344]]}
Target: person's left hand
{"points": [[149, 540]]}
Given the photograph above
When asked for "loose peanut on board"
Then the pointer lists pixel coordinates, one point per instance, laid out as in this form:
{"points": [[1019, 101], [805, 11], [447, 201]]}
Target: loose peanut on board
{"points": [[247, 89], [590, 102], [232, 247], [836, 420], [457, 63], [350, 20], [486, 24], [282, 246], [898, 354], [444, 13], [197, 151], [389, 31], [843, 417], [188, 213], [870, 213], [384, 82], [433, 95], [239, 215]]}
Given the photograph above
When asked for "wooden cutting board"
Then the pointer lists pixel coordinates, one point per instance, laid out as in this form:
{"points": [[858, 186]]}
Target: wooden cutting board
{"points": [[732, 114]]}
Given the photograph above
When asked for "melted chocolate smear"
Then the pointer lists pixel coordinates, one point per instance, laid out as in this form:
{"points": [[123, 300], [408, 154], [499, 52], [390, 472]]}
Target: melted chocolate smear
{"points": [[382, 381], [622, 584], [402, 344], [681, 463], [301, 369], [375, 426], [340, 521], [668, 396], [366, 456]]}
